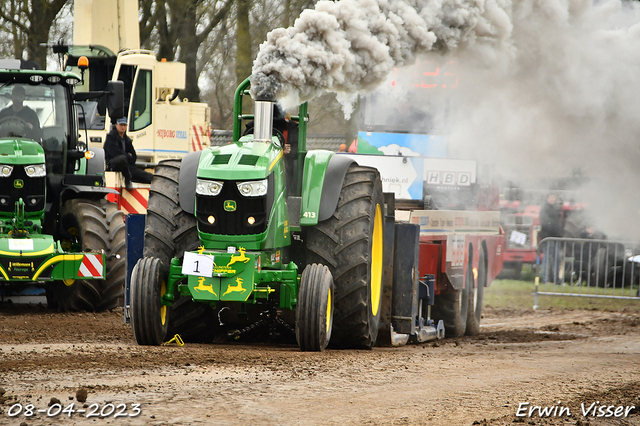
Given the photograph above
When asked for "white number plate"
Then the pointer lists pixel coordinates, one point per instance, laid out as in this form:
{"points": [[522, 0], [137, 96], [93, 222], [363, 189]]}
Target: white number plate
{"points": [[197, 264]]}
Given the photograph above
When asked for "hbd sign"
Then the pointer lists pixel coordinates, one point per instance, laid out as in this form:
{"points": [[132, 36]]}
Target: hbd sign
{"points": [[448, 178]]}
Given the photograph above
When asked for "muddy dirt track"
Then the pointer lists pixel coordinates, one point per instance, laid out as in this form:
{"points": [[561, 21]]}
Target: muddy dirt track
{"points": [[535, 357]]}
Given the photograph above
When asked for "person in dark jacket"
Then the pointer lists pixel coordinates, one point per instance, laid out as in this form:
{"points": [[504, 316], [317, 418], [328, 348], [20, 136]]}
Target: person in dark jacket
{"points": [[551, 226], [19, 110], [121, 157]]}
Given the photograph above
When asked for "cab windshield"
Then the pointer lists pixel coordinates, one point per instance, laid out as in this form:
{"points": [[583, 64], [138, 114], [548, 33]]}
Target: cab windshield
{"points": [[38, 112]]}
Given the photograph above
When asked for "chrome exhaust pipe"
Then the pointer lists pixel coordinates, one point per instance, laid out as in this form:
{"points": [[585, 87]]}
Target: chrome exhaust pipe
{"points": [[263, 121]]}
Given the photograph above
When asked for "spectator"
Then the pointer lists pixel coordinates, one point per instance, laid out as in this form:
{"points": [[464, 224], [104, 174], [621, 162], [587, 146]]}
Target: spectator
{"points": [[121, 157], [586, 252], [551, 226], [343, 147], [23, 112]]}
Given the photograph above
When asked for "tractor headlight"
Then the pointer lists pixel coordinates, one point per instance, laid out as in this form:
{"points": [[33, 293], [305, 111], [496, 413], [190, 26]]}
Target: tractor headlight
{"points": [[255, 188], [36, 170], [208, 187], [5, 171]]}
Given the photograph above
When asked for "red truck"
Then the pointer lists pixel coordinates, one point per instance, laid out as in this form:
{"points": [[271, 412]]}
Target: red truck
{"points": [[521, 239]]}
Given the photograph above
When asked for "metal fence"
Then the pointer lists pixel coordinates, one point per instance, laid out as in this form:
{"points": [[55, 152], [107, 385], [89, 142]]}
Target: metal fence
{"points": [[587, 268]]}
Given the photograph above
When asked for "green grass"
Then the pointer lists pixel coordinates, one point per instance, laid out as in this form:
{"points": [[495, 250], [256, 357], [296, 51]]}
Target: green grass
{"points": [[514, 294]]}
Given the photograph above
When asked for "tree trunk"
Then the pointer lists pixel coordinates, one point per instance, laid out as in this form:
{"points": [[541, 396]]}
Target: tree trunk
{"points": [[168, 39], [243, 42], [189, 49]]}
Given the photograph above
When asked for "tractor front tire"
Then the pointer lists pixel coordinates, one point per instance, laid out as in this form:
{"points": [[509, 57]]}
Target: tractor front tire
{"points": [[350, 243], [149, 317], [93, 226], [169, 232], [314, 312]]}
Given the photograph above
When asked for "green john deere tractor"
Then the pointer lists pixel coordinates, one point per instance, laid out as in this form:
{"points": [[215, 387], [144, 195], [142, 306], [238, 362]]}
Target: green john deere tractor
{"points": [[56, 228], [233, 240]]}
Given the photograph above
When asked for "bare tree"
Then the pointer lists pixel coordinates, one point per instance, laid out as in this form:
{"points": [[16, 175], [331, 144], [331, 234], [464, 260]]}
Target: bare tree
{"points": [[182, 26], [148, 19], [31, 22]]}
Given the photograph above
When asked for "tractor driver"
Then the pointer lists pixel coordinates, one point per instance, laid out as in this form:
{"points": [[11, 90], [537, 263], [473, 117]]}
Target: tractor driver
{"points": [[26, 115], [286, 129]]}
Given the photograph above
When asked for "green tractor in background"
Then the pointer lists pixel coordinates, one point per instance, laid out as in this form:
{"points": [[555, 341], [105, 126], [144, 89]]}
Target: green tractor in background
{"points": [[232, 238], [56, 228]]}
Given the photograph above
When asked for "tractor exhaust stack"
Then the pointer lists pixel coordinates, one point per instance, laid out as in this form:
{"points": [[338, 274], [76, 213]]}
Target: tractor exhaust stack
{"points": [[263, 121]]}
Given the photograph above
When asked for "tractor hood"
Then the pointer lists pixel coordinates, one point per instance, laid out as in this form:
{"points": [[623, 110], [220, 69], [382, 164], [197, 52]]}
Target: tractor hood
{"points": [[20, 151], [245, 160]]}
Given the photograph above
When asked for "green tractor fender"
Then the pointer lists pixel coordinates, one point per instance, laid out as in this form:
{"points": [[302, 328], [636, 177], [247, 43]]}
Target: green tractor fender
{"points": [[187, 181], [322, 181]]}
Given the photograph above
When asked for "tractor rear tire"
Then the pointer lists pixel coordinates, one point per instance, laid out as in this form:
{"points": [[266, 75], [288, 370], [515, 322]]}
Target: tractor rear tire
{"points": [[149, 317], [169, 232], [96, 226], [314, 312], [476, 296], [350, 243]]}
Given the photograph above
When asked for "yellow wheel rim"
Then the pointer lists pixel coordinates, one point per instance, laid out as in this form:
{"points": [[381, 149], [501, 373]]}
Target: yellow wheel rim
{"points": [[376, 262], [163, 308], [328, 320]]}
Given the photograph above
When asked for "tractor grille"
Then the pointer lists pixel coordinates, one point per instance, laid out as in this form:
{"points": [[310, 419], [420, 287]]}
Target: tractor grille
{"points": [[31, 191], [234, 222]]}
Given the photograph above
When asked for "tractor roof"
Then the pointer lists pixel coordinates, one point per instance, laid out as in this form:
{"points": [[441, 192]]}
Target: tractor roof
{"points": [[36, 77]]}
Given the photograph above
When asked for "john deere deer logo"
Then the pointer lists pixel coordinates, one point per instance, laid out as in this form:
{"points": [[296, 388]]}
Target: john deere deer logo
{"points": [[230, 206], [203, 287], [18, 183], [239, 258], [237, 287]]}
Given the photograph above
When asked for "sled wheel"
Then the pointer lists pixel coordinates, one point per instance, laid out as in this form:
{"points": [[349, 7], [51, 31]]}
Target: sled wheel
{"points": [[476, 296], [92, 226], [314, 313], [149, 317], [350, 243], [452, 308]]}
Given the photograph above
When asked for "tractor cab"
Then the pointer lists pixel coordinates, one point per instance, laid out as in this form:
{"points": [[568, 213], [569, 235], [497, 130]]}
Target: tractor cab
{"points": [[40, 155]]}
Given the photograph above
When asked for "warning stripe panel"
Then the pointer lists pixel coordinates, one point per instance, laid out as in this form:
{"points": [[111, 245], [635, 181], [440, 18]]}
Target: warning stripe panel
{"points": [[91, 266], [196, 144], [134, 201]]}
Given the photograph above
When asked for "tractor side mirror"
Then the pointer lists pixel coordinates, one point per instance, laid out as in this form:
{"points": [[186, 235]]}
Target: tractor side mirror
{"points": [[115, 88]]}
